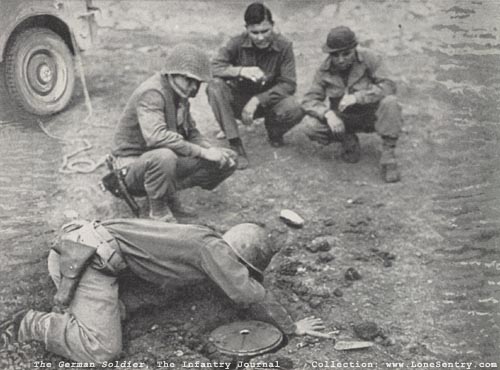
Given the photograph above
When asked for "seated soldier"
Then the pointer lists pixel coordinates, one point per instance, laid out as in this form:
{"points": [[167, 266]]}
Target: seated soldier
{"points": [[255, 77], [157, 140], [360, 97], [85, 325]]}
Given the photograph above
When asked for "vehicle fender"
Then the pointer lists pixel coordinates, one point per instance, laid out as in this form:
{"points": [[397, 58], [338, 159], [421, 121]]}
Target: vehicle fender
{"points": [[75, 18]]}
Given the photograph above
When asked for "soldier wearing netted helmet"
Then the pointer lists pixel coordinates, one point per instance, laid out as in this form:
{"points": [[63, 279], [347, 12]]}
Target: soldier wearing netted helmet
{"points": [[85, 323], [157, 142]]}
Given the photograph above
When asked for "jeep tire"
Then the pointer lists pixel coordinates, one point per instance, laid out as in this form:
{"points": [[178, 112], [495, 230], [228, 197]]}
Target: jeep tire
{"points": [[39, 71]]}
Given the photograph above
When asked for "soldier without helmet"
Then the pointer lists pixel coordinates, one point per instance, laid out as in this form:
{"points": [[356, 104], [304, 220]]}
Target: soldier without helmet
{"points": [[255, 77]]}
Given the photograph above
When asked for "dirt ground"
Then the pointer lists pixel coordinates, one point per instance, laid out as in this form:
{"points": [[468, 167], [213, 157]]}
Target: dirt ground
{"points": [[426, 248]]}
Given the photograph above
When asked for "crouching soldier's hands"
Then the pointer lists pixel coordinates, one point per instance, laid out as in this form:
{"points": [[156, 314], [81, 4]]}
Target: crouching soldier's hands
{"points": [[218, 155], [310, 326], [249, 111], [335, 123]]}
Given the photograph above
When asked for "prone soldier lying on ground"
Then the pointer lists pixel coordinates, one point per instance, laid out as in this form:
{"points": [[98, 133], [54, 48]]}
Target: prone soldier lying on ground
{"points": [[85, 324]]}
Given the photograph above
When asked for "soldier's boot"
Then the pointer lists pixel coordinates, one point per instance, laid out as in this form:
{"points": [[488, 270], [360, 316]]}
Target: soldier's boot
{"points": [[178, 210], [388, 164], [9, 330], [237, 146], [351, 148], [159, 210]]}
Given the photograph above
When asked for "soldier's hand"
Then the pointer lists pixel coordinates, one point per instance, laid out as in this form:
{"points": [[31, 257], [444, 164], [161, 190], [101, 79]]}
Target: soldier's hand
{"points": [[216, 155], [310, 326], [334, 122], [346, 101], [249, 111], [254, 74]]}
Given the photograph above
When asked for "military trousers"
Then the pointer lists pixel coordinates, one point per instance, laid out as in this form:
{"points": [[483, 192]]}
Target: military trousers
{"points": [[90, 329], [227, 103], [159, 173], [384, 118]]}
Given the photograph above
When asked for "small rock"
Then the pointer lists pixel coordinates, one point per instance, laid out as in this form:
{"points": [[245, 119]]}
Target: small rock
{"points": [[352, 274], [289, 267], [367, 330], [329, 222], [300, 288], [179, 353], [315, 302], [301, 269], [388, 342], [387, 263], [324, 257], [154, 327], [338, 292], [321, 292], [291, 218], [321, 244]]}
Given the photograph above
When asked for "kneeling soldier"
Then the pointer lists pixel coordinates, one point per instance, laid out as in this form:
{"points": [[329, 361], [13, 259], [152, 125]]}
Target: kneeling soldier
{"points": [[85, 324]]}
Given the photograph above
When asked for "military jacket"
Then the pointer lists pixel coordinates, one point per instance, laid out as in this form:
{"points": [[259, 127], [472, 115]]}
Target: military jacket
{"points": [[277, 62], [156, 117], [368, 80]]}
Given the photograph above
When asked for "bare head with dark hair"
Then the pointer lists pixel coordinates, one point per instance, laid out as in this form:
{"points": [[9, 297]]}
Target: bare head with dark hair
{"points": [[257, 13], [259, 25]]}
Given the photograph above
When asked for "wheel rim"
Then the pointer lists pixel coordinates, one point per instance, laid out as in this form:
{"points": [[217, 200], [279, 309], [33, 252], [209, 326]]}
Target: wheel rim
{"points": [[45, 75]]}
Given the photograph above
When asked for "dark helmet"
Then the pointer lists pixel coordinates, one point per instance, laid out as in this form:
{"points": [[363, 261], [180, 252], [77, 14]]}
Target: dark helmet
{"points": [[338, 39], [251, 243], [188, 60]]}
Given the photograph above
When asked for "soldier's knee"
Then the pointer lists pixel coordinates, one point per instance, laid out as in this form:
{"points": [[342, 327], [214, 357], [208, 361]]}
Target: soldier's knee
{"points": [[162, 159], [288, 110], [309, 126], [112, 351]]}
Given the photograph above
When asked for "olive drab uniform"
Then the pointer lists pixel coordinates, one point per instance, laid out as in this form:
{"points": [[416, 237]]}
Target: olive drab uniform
{"points": [[376, 109], [157, 139], [228, 94], [170, 255]]}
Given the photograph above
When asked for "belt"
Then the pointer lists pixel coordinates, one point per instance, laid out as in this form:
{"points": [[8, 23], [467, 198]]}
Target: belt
{"points": [[110, 258]]}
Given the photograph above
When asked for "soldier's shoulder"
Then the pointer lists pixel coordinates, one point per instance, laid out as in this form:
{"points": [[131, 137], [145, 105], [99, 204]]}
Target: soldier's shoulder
{"points": [[238, 40], [282, 41], [369, 56]]}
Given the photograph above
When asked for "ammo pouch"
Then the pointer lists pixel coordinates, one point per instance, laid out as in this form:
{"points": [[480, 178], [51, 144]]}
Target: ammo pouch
{"points": [[83, 244]]}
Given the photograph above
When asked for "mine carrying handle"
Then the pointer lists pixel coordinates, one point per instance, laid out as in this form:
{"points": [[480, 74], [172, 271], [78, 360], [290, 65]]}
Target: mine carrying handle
{"points": [[111, 164]]}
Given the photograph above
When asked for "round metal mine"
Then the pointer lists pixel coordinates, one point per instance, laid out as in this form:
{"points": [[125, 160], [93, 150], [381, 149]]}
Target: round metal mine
{"points": [[246, 338]]}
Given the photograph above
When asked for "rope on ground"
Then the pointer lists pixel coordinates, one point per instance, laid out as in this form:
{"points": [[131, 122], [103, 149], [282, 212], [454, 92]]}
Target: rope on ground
{"points": [[82, 165]]}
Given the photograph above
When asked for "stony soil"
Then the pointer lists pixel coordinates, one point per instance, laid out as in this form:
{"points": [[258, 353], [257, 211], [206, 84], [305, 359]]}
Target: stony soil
{"points": [[424, 278]]}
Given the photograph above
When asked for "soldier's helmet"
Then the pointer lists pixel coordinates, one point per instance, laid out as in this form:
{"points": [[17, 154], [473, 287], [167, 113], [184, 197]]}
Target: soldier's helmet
{"points": [[188, 60], [251, 244]]}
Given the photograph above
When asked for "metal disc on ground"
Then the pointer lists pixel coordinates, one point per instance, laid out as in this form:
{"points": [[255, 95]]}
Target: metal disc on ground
{"points": [[246, 338]]}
